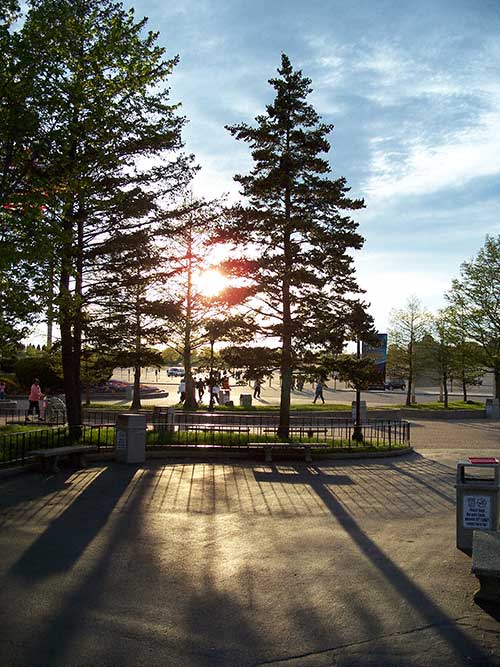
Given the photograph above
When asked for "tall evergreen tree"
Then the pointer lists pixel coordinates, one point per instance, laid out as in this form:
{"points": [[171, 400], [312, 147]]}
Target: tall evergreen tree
{"points": [[20, 211], [296, 225], [98, 88], [130, 314]]}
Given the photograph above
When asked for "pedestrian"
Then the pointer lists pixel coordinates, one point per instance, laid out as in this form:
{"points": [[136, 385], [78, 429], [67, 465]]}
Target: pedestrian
{"points": [[256, 388], [3, 389], [34, 398], [182, 390], [215, 393], [225, 381], [318, 393], [200, 386]]}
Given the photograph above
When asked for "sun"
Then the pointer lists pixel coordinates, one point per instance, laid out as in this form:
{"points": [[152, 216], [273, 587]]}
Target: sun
{"points": [[211, 283]]}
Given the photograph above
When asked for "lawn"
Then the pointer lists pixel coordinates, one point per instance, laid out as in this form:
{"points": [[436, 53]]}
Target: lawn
{"points": [[452, 405]]}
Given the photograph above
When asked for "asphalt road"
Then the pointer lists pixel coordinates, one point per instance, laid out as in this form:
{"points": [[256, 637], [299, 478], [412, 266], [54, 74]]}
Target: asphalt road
{"points": [[245, 564], [270, 394]]}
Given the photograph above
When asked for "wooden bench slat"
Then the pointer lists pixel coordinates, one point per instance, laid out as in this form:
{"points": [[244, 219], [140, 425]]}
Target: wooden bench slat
{"points": [[61, 451]]}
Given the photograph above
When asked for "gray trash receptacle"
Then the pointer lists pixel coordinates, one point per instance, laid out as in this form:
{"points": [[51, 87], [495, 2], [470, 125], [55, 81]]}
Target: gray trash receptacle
{"points": [[131, 438], [246, 400], [478, 499]]}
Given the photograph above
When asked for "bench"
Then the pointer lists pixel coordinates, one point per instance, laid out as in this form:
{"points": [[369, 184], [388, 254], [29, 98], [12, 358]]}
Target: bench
{"points": [[268, 448], [486, 564], [76, 453]]}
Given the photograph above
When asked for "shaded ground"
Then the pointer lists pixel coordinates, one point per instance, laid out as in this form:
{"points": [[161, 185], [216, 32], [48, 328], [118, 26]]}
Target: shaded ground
{"points": [[200, 564]]}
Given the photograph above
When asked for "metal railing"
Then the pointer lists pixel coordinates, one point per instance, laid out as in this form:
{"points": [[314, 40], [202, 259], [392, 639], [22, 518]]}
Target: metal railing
{"points": [[241, 430], [209, 430], [16, 448]]}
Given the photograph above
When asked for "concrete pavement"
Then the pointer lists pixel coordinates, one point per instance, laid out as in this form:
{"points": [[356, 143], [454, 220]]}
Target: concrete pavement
{"points": [[245, 565]]}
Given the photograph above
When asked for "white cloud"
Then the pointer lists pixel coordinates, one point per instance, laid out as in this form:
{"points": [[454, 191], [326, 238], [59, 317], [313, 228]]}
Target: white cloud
{"points": [[471, 153]]}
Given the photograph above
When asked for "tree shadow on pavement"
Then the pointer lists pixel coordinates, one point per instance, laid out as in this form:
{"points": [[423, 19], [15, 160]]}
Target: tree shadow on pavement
{"points": [[465, 649], [60, 546]]}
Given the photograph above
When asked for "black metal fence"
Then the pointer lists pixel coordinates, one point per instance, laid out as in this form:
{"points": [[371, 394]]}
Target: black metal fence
{"points": [[16, 448], [212, 430], [240, 430], [18, 416]]}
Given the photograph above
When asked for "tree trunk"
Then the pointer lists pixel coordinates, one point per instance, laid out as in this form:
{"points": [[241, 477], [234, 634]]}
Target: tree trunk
{"points": [[286, 350], [190, 402], [445, 388], [67, 308], [464, 387], [136, 401], [410, 374]]}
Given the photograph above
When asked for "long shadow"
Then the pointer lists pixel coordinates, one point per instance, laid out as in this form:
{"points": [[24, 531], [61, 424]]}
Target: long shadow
{"points": [[31, 487], [119, 600], [419, 480], [467, 651], [64, 541]]}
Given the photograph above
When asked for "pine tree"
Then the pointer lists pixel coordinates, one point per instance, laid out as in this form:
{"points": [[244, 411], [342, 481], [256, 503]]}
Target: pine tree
{"points": [[98, 90], [19, 207], [297, 228], [130, 314]]}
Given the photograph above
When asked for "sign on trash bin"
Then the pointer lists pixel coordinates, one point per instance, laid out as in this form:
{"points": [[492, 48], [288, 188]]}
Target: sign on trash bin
{"points": [[478, 498]]}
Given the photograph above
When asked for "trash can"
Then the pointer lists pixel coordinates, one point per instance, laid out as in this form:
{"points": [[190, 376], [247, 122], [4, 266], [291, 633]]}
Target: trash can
{"points": [[478, 499], [131, 438], [224, 396], [246, 400]]}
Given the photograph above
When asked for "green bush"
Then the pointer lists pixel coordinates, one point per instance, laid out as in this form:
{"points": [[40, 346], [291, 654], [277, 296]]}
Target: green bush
{"points": [[41, 366]]}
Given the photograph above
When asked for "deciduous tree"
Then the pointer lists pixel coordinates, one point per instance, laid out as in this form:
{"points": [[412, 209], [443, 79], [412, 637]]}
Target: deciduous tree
{"points": [[475, 299]]}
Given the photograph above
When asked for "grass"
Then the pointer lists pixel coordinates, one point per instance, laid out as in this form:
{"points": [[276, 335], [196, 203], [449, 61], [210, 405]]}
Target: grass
{"points": [[452, 405], [16, 439], [218, 439]]}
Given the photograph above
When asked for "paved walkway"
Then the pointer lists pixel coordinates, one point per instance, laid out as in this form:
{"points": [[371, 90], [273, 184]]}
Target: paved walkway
{"points": [[245, 565]]}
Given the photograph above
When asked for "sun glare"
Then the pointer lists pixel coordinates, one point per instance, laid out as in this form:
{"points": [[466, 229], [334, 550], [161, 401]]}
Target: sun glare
{"points": [[211, 283]]}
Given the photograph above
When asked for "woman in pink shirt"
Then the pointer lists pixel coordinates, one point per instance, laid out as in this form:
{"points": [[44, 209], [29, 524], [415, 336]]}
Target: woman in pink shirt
{"points": [[34, 399]]}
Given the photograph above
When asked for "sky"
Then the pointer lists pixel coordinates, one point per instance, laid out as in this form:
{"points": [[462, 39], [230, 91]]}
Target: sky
{"points": [[413, 90]]}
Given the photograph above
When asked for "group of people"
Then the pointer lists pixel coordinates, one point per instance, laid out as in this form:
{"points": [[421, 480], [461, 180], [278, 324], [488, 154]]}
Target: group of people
{"points": [[201, 384]]}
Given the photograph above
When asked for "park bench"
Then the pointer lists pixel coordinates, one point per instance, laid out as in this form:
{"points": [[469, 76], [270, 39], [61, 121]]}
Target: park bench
{"points": [[76, 453], [269, 447], [486, 564]]}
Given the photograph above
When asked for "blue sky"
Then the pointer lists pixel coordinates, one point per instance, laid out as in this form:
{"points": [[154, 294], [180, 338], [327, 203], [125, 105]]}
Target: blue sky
{"points": [[413, 89]]}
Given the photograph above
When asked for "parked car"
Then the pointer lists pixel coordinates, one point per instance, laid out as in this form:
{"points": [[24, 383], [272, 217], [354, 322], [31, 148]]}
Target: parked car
{"points": [[175, 371], [396, 384]]}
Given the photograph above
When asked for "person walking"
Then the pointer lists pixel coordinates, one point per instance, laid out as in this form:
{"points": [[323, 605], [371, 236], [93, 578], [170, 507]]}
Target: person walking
{"points": [[3, 389], [181, 390], [318, 393], [256, 388], [34, 398], [200, 386]]}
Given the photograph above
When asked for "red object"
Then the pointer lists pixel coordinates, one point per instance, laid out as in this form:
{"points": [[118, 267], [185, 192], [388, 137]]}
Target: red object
{"points": [[485, 459]]}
